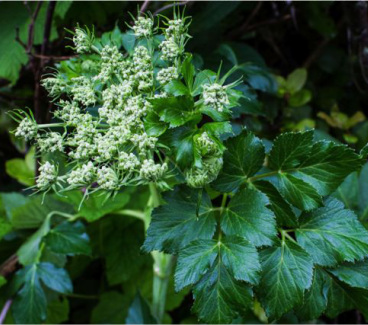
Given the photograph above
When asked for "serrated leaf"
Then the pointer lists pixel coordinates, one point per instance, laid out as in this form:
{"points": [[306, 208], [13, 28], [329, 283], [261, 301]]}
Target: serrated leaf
{"points": [[243, 158], [287, 272], [69, 238], [290, 149], [247, 216], [174, 110], [285, 216], [202, 78], [327, 166], [153, 126], [139, 312], [188, 71], [175, 224], [332, 234], [315, 298], [218, 297], [354, 274], [298, 193], [237, 254], [218, 129]]}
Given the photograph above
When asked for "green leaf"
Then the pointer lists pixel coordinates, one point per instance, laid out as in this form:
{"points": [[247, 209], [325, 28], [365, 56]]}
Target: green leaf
{"points": [[188, 71], [139, 312], [237, 254], [69, 238], [95, 207], [287, 272], [327, 166], [285, 215], [57, 311], [247, 216], [112, 308], [290, 149], [295, 81], [315, 299], [298, 193], [2, 281], [29, 306], [218, 129], [17, 168], [121, 249], [28, 253], [153, 126], [56, 279], [332, 234], [300, 98], [176, 88], [218, 297], [175, 224], [243, 158], [354, 274], [174, 110]]}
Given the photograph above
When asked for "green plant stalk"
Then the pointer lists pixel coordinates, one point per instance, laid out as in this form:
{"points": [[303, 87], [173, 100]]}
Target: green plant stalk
{"points": [[162, 266]]}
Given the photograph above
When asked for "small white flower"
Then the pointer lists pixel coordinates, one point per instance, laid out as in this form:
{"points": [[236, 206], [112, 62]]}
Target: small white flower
{"points": [[128, 162], [51, 143], [83, 91], [26, 129], [143, 141], [143, 27], [152, 172], [54, 85], [206, 145], [175, 28], [164, 76], [107, 178], [48, 176], [170, 50], [82, 41], [70, 113], [83, 175], [111, 60], [200, 176], [215, 95]]}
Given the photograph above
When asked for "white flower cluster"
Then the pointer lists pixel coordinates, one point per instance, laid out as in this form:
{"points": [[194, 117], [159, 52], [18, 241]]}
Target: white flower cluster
{"points": [[48, 176], [83, 175], [215, 95], [164, 76], [109, 148], [27, 129], [52, 142], [82, 41], [143, 27]]}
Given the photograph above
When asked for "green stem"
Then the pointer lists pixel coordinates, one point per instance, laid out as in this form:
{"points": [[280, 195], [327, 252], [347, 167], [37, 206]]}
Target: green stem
{"points": [[254, 178], [50, 125], [80, 296], [132, 213], [162, 265]]}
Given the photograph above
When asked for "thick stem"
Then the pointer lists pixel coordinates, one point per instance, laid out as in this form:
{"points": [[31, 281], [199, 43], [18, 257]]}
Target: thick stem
{"points": [[162, 265]]}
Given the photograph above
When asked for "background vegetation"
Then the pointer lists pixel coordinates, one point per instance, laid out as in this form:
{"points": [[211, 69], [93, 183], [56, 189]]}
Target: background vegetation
{"points": [[308, 64]]}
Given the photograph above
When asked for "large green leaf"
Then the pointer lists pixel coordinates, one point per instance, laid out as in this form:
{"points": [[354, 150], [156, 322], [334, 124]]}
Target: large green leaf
{"points": [[69, 238], [176, 224], [290, 149], [247, 216], [287, 271], [237, 254], [285, 215], [218, 297], [243, 158], [56, 279], [354, 274], [332, 234], [174, 110], [315, 298], [298, 193]]}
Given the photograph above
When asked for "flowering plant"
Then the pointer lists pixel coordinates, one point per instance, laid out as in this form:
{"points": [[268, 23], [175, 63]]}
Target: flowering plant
{"points": [[251, 228]]}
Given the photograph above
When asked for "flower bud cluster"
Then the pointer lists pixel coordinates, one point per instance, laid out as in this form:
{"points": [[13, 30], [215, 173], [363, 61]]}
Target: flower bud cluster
{"points": [[143, 27], [103, 110], [215, 95]]}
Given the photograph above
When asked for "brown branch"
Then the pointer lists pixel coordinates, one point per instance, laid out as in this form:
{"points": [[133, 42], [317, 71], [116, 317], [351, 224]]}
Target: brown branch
{"points": [[31, 27], [17, 38], [170, 6], [269, 22], [144, 6], [5, 310], [9, 266], [54, 57]]}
